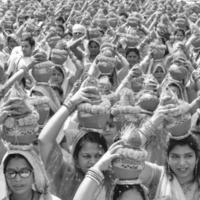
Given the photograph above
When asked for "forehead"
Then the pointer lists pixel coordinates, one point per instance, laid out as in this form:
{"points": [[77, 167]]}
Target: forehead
{"points": [[25, 43], [132, 53], [89, 147], [181, 150], [129, 194], [17, 163]]}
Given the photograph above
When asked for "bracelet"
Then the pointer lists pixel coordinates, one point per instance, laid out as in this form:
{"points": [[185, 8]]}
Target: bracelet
{"points": [[69, 105], [95, 175], [148, 130]]}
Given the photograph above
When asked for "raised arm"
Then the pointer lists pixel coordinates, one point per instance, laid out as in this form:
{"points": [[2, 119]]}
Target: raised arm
{"points": [[48, 135], [93, 182]]}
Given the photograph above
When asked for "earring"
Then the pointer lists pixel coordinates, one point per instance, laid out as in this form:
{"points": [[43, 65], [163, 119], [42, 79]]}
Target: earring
{"points": [[34, 187], [195, 168]]}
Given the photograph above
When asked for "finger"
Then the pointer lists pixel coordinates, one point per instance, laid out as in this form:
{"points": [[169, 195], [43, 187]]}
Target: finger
{"points": [[7, 108], [85, 99], [119, 142], [169, 106], [115, 148], [92, 96], [114, 156], [13, 100], [90, 89], [13, 112]]}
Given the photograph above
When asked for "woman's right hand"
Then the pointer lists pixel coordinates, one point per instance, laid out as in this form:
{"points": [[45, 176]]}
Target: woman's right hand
{"points": [[134, 72], [162, 112], [84, 94], [105, 162], [7, 109]]}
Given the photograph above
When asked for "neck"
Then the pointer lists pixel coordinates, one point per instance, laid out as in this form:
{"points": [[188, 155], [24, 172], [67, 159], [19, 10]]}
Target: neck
{"points": [[185, 180], [25, 196]]}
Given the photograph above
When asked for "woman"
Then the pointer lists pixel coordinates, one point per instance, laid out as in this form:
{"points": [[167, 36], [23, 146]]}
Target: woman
{"points": [[23, 58], [178, 180], [181, 177], [56, 81], [86, 147], [24, 176], [132, 56]]}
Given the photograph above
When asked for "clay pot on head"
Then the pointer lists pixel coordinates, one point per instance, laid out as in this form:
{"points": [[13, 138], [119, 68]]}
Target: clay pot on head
{"points": [[158, 52], [112, 22], [95, 121], [148, 102], [42, 71], [59, 56], [181, 127], [130, 165], [177, 72], [105, 68]]}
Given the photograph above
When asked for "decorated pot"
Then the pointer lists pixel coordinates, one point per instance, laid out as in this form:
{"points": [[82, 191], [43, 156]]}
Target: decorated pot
{"points": [[177, 72], [59, 56], [131, 163], [42, 71], [148, 102], [96, 121]]}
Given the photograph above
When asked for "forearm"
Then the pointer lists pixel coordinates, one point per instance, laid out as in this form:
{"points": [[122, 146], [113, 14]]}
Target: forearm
{"points": [[91, 184], [149, 129], [17, 76], [49, 133], [52, 128], [78, 64]]}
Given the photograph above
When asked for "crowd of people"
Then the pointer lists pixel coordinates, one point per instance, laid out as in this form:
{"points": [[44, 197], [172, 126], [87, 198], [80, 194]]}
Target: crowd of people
{"points": [[100, 100]]}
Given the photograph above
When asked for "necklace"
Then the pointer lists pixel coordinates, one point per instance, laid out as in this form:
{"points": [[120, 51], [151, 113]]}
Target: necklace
{"points": [[187, 187]]}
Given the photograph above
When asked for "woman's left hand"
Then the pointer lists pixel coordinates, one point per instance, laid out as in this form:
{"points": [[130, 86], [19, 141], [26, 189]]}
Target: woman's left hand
{"points": [[105, 162]]}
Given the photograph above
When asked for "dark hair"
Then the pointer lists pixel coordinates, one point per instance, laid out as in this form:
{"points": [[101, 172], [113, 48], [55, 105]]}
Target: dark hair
{"points": [[58, 68], [123, 14], [93, 41], [69, 33], [61, 19], [132, 49], [120, 189], [61, 27], [28, 39], [93, 137], [190, 141], [179, 30], [14, 156]]}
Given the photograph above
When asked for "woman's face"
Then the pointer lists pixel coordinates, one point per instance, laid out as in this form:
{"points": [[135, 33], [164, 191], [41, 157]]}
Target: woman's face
{"points": [[26, 48], [137, 84], [130, 195], [94, 49], [179, 36], [12, 43], [159, 74], [132, 58], [56, 77], [89, 154], [23, 181], [182, 161]]}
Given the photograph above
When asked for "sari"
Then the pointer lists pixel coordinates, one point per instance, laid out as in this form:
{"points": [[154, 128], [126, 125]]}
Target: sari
{"points": [[41, 184], [172, 190]]}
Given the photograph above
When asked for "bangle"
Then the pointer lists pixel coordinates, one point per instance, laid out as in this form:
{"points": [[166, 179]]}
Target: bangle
{"points": [[95, 175], [69, 105]]}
